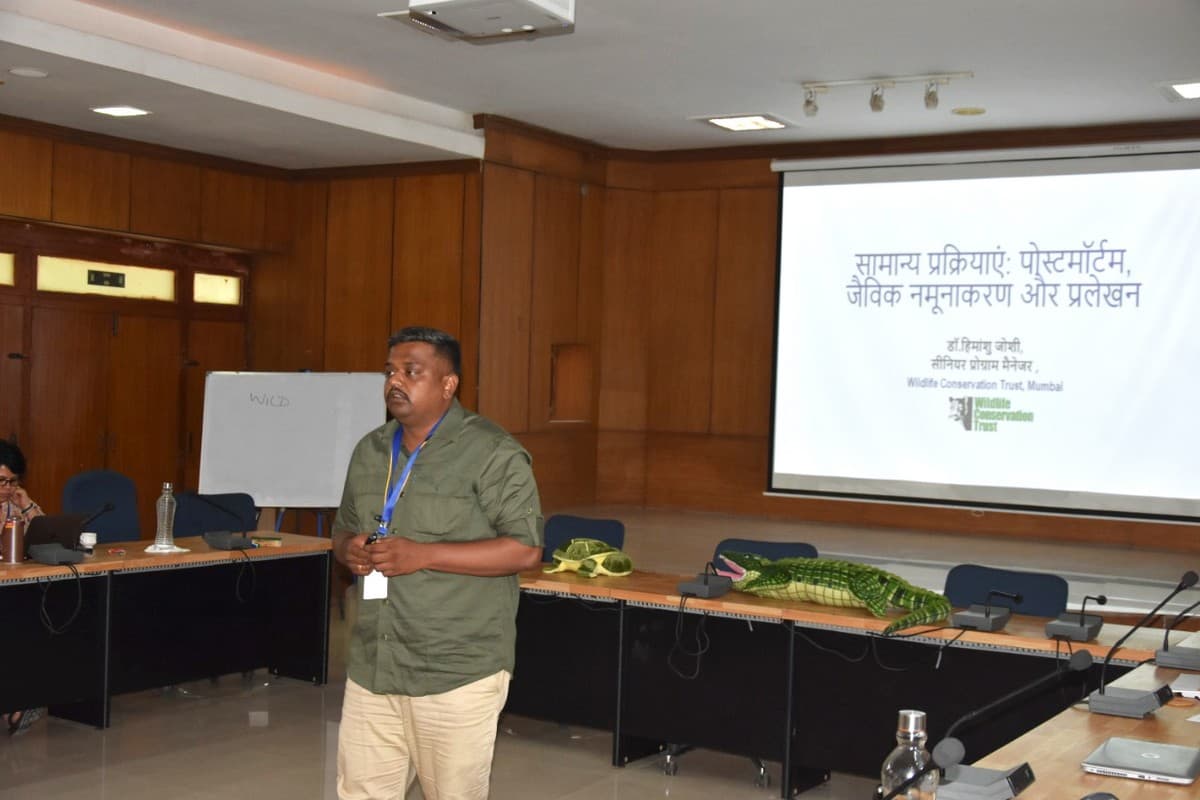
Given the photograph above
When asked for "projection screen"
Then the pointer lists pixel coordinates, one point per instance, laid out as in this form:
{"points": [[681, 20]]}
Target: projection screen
{"points": [[1019, 335]]}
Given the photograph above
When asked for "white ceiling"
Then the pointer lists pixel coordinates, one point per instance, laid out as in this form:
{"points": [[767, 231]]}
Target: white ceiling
{"points": [[326, 83]]}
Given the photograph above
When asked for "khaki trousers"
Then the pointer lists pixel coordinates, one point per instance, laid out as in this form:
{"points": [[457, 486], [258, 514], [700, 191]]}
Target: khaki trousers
{"points": [[444, 740]]}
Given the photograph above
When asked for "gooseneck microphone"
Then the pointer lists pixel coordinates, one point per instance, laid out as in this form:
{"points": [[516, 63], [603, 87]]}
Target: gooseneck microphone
{"points": [[104, 509], [1077, 627], [1135, 703], [1180, 657], [987, 617], [1079, 661], [963, 782], [946, 753], [1100, 600]]}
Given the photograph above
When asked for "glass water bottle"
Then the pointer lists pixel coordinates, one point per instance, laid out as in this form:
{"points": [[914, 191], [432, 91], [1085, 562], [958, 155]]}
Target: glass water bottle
{"points": [[909, 757]]}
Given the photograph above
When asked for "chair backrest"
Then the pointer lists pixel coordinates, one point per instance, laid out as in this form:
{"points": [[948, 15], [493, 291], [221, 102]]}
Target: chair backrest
{"points": [[87, 492], [561, 528], [196, 514], [1042, 594], [771, 550]]}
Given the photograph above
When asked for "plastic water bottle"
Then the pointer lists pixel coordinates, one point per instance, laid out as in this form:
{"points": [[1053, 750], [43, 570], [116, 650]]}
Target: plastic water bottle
{"points": [[164, 537], [908, 758]]}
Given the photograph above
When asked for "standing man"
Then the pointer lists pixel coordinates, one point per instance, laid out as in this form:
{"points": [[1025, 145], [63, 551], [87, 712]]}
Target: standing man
{"points": [[439, 512]]}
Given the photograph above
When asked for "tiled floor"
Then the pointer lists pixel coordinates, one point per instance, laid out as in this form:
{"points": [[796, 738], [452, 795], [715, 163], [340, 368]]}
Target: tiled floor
{"points": [[262, 740]]}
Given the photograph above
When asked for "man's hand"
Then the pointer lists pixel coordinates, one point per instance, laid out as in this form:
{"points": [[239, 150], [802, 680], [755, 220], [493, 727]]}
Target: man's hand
{"points": [[396, 555], [349, 549]]}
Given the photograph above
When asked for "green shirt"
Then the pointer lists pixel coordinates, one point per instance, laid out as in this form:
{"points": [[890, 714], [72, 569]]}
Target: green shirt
{"points": [[437, 631]]}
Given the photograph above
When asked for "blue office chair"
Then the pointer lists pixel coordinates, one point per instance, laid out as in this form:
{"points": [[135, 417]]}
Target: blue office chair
{"points": [[1042, 594], [87, 492], [771, 550], [197, 514], [562, 528]]}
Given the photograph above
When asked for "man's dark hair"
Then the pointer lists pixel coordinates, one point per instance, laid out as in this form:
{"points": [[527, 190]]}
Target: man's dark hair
{"points": [[445, 345], [12, 457]]}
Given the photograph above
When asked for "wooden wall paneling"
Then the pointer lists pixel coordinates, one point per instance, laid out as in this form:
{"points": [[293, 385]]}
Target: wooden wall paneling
{"points": [[427, 253], [286, 288], [358, 273], [26, 175], [621, 467], [564, 465], [555, 286], [165, 198], [590, 307], [468, 339], [505, 286], [625, 343], [744, 313], [91, 187], [277, 231], [544, 153], [210, 346], [145, 407], [706, 473], [68, 375], [233, 208], [683, 267], [12, 371]]}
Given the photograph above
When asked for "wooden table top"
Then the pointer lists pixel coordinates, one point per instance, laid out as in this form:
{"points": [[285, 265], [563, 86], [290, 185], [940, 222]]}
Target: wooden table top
{"points": [[1023, 634], [107, 557], [1056, 748]]}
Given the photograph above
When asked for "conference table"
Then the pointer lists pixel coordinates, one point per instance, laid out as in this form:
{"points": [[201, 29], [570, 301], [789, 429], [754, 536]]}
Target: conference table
{"points": [[815, 688], [1055, 748], [132, 620]]}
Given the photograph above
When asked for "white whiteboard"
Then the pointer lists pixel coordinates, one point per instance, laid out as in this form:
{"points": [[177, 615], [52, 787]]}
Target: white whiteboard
{"points": [[285, 438]]}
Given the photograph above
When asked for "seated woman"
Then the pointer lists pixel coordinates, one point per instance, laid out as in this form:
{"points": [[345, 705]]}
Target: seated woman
{"points": [[15, 503], [14, 500]]}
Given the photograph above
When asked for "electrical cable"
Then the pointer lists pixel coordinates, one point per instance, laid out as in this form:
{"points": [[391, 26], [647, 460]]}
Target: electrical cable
{"points": [[45, 612]]}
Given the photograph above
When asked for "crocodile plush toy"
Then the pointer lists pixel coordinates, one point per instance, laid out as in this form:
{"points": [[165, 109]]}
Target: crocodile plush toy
{"points": [[590, 558], [835, 583]]}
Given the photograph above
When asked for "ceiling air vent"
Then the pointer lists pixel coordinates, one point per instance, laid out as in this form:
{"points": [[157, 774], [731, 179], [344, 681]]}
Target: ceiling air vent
{"points": [[489, 21]]}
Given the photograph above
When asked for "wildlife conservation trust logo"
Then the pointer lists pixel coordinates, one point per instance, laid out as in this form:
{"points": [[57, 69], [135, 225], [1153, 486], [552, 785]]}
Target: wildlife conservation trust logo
{"points": [[984, 414]]}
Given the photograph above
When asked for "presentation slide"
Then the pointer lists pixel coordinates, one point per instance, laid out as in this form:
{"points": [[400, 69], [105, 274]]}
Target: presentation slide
{"points": [[1006, 335]]}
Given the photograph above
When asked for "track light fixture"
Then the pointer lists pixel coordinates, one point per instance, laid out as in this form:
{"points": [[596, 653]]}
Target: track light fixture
{"points": [[810, 103], [932, 81], [876, 101]]}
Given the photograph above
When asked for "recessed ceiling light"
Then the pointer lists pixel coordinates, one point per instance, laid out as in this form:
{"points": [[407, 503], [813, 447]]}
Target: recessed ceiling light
{"points": [[754, 122], [1188, 91], [28, 72], [121, 111], [968, 111]]}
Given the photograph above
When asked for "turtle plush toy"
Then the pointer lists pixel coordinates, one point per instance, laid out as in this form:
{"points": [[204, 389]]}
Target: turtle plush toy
{"points": [[590, 558]]}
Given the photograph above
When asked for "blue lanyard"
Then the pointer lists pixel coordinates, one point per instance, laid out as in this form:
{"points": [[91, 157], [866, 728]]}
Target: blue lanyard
{"points": [[390, 498]]}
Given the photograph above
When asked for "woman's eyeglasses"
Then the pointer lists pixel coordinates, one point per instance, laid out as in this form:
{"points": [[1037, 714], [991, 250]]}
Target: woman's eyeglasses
{"points": [[5, 482]]}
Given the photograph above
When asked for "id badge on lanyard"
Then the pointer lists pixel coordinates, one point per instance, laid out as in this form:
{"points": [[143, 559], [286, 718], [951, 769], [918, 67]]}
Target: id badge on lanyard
{"points": [[375, 583]]}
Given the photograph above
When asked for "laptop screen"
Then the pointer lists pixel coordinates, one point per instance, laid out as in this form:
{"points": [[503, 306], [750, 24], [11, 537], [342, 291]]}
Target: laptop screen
{"points": [[61, 528]]}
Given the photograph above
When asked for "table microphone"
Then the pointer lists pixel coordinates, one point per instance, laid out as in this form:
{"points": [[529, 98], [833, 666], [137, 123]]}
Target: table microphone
{"points": [[1136, 703], [987, 617], [1080, 627], [946, 753], [1179, 657]]}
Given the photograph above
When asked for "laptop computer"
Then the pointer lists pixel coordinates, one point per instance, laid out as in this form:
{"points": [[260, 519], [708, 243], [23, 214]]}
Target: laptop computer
{"points": [[1145, 761], [50, 528]]}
